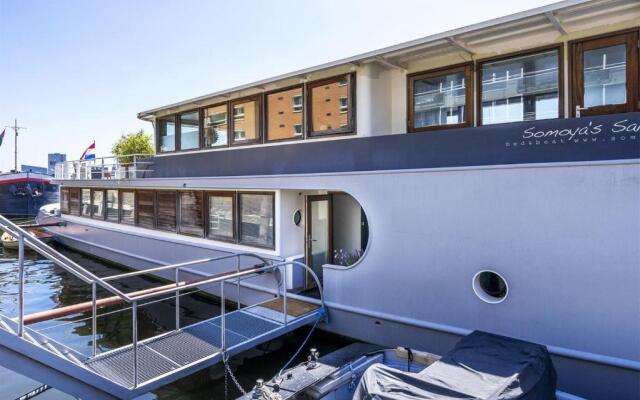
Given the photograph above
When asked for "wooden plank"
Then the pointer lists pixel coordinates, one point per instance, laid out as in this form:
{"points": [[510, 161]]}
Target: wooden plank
{"points": [[295, 307]]}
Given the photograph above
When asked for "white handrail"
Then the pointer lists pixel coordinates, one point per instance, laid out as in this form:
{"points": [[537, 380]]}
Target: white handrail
{"points": [[112, 167]]}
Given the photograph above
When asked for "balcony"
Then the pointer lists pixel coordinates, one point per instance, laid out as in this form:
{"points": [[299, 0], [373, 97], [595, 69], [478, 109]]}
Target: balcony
{"points": [[133, 166]]}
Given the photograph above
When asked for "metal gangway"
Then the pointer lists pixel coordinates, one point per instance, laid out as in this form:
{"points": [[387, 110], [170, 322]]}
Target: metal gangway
{"points": [[143, 365]]}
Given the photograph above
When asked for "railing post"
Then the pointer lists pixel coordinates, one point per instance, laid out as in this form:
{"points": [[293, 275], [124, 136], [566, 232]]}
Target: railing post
{"points": [[222, 312], [238, 280], [94, 317], [21, 285], [102, 168], [135, 167], [284, 295], [134, 323], [177, 298]]}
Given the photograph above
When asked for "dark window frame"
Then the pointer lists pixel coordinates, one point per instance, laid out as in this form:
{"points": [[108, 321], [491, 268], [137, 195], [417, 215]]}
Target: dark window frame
{"points": [[178, 122], [157, 208], [105, 205], [559, 48], [266, 113], [90, 202], [135, 206], [630, 37], [467, 69], [258, 98], [239, 218], [202, 127], [202, 214], [350, 129], [104, 213], [233, 195], [157, 135]]}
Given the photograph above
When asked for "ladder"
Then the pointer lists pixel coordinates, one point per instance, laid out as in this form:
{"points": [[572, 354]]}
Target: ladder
{"points": [[143, 365]]}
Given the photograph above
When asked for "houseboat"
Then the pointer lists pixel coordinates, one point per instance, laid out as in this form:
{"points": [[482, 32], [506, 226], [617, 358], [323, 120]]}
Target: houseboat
{"points": [[23, 193], [484, 178]]}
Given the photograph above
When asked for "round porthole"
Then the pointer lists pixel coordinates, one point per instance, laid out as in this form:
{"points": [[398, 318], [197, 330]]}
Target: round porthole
{"points": [[490, 287], [297, 217]]}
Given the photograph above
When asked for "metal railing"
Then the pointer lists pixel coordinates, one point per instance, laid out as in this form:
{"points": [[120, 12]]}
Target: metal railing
{"points": [[25, 239], [132, 166]]}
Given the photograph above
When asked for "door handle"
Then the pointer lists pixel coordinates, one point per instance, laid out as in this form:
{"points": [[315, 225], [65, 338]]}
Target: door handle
{"points": [[579, 108]]}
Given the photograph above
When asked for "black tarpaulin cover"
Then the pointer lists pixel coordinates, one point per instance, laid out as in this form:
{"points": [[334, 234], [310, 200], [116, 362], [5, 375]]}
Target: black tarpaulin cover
{"points": [[480, 366]]}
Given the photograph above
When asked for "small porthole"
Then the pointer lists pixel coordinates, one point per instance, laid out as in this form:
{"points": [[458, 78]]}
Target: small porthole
{"points": [[490, 287], [297, 217]]}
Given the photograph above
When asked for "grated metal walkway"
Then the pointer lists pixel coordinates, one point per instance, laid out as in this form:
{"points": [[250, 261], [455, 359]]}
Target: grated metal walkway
{"points": [[161, 356]]}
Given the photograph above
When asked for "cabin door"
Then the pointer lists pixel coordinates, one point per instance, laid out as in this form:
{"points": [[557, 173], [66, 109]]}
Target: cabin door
{"points": [[318, 248], [605, 75]]}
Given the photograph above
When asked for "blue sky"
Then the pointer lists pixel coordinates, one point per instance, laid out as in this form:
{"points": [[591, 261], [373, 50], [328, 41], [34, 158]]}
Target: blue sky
{"points": [[74, 71]]}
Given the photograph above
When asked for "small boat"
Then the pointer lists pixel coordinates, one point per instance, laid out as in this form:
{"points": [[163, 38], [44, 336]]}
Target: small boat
{"points": [[10, 242]]}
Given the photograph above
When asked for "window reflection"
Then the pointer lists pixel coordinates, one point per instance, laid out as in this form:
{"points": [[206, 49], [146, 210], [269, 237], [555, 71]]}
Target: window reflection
{"points": [[605, 76], [112, 205], [86, 202], [284, 114], [98, 204], [439, 100], [520, 89], [256, 219], [190, 130], [330, 106], [245, 121], [128, 208], [167, 136], [221, 216], [215, 126]]}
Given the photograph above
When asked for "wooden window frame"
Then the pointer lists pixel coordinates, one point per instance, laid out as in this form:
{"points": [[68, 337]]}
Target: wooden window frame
{"points": [[239, 218], [234, 211], [350, 129], [135, 206], [266, 113], [467, 69], [258, 98], [202, 128], [179, 215], [157, 210], [104, 214], [178, 121], [577, 47], [78, 211], [105, 205], [559, 48]]}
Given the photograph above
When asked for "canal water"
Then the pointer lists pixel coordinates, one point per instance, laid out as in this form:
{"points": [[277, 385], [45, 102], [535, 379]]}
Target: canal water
{"points": [[48, 286]]}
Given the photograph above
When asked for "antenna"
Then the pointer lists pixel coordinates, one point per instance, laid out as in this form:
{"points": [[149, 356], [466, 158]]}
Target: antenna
{"points": [[16, 129]]}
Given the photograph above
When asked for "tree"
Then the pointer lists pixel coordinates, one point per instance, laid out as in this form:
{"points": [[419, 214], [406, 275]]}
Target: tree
{"points": [[132, 143]]}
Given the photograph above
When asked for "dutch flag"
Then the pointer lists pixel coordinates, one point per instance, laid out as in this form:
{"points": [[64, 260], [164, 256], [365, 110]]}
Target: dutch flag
{"points": [[89, 152]]}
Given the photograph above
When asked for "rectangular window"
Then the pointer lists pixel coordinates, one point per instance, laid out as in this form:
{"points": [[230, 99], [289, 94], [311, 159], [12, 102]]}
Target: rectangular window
{"points": [[221, 216], [284, 110], [522, 88], [297, 130], [167, 208], [256, 219], [246, 120], [74, 201], [145, 209], [112, 205], [605, 74], [166, 134], [64, 200], [440, 99], [331, 105], [86, 202], [216, 126], [191, 213], [127, 207], [189, 130], [97, 209]]}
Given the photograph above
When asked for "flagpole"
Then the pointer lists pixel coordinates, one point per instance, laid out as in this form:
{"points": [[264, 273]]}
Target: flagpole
{"points": [[15, 153]]}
